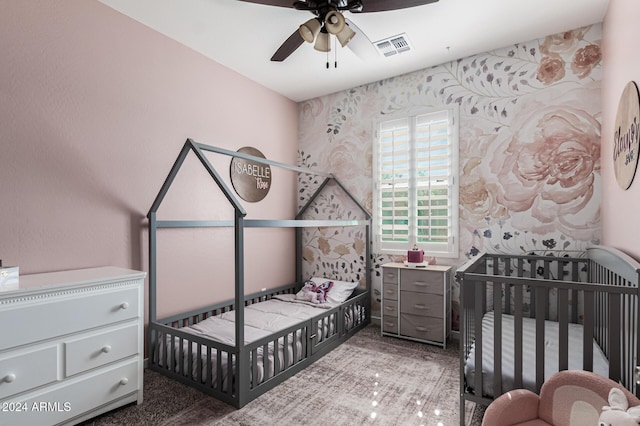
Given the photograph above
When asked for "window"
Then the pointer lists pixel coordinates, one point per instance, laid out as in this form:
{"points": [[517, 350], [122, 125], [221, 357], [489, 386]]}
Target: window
{"points": [[415, 188]]}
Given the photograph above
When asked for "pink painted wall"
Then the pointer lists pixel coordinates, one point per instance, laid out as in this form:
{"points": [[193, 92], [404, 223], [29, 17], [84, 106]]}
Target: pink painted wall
{"points": [[94, 108], [621, 64]]}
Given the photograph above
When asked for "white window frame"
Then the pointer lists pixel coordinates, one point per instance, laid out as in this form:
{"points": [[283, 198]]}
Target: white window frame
{"points": [[448, 249]]}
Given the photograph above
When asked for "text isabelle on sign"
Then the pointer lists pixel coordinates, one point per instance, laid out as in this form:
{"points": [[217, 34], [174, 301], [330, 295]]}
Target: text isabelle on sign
{"points": [[250, 179]]}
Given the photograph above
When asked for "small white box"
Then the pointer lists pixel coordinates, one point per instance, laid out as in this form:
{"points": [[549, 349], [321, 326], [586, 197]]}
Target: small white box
{"points": [[9, 278]]}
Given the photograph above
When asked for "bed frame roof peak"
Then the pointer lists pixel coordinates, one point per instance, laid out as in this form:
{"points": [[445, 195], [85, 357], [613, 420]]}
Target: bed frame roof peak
{"points": [[198, 149]]}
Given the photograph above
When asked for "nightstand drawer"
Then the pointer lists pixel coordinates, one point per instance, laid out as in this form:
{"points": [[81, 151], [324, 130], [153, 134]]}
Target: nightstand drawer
{"points": [[22, 370], [424, 304], [390, 291], [85, 353], [425, 328], [390, 323], [422, 281], [390, 275]]}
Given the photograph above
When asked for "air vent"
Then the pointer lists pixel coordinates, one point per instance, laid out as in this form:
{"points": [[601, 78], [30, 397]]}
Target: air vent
{"points": [[393, 45]]}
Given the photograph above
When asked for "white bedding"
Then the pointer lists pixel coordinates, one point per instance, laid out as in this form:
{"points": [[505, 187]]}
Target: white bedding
{"points": [[261, 320], [600, 363]]}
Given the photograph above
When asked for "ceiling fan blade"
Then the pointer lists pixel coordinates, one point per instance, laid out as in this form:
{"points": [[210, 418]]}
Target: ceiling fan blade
{"points": [[360, 44], [384, 5], [289, 46], [281, 3]]}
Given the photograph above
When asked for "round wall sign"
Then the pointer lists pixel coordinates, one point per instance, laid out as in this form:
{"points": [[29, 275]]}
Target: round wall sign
{"points": [[250, 179], [626, 136]]}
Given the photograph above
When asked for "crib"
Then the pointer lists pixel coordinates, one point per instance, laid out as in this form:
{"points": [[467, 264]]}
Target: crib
{"points": [[525, 317]]}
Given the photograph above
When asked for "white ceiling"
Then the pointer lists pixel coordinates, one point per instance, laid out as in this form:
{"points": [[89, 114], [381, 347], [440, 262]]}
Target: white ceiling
{"points": [[243, 36]]}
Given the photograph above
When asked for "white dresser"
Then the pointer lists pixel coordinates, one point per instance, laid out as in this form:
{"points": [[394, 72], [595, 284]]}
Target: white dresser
{"points": [[416, 302], [71, 345]]}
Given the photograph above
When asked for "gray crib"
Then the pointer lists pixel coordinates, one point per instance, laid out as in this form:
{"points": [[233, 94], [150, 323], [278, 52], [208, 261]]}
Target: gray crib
{"points": [[527, 317]]}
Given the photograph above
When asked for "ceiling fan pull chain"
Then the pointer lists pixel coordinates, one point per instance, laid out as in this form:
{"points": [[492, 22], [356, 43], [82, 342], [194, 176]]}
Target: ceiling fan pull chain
{"points": [[328, 56], [335, 53]]}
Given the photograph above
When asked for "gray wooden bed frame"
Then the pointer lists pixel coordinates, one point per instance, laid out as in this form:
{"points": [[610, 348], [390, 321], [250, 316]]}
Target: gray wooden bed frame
{"points": [[606, 284], [241, 359]]}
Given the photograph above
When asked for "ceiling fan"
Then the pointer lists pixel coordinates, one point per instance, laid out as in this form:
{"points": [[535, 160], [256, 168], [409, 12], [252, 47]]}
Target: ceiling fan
{"points": [[329, 20]]}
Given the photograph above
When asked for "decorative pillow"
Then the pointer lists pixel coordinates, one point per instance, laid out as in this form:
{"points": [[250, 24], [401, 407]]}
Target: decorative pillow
{"points": [[340, 291], [315, 292]]}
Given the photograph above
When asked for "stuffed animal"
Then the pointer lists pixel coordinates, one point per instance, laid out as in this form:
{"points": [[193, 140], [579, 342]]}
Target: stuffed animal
{"points": [[618, 412], [314, 293]]}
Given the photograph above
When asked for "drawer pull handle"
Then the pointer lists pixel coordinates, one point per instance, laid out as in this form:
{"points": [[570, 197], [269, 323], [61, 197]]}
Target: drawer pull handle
{"points": [[124, 305], [9, 378], [419, 284], [106, 349], [390, 324], [419, 328], [419, 306], [124, 381], [389, 308]]}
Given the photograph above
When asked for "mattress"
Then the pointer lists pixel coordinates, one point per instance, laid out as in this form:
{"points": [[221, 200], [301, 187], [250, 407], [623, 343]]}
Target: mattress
{"points": [[260, 320], [600, 363]]}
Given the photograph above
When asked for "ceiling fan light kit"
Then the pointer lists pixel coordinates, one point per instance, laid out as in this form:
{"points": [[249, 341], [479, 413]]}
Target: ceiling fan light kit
{"points": [[310, 29], [323, 42], [345, 35], [330, 21], [334, 22]]}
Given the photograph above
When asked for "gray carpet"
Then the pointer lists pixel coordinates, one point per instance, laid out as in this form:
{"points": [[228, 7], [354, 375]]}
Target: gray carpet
{"points": [[368, 379]]}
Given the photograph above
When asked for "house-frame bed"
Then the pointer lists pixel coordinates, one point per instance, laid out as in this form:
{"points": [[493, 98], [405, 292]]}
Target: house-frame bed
{"points": [[527, 317], [244, 362]]}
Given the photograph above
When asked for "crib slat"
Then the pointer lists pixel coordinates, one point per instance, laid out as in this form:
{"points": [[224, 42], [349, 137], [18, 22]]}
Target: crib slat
{"points": [[614, 342], [587, 337], [480, 294], [563, 329], [517, 340], [276, 357], [497, 338], [541, 310]]}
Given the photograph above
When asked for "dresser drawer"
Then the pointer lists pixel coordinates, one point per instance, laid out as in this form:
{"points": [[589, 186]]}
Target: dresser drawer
{"points": [[389, 292], [424, 304], [424, 328], [24, 370], [67, 313], [390, 307], [390, 275], [422, 281], [85, 353], [76, 397], [390, 324]]}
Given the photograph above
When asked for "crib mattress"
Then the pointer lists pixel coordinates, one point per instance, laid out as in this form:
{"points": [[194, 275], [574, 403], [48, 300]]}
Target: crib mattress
{"points": [[600, 363]]}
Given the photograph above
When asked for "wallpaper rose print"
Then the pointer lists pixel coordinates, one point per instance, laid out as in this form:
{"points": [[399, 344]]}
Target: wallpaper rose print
{"points": [[529, 140]]}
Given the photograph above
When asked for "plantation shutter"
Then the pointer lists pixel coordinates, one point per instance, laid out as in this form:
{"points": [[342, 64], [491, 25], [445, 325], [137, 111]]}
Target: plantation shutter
{"points": [[415, 183]]}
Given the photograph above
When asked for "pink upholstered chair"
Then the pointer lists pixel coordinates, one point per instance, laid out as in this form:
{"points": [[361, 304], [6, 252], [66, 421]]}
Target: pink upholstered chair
{"points": [[568, 398]]}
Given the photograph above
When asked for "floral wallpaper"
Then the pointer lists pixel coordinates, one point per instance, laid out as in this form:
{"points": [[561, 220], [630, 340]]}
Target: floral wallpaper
{"points": [[529, 140]]}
